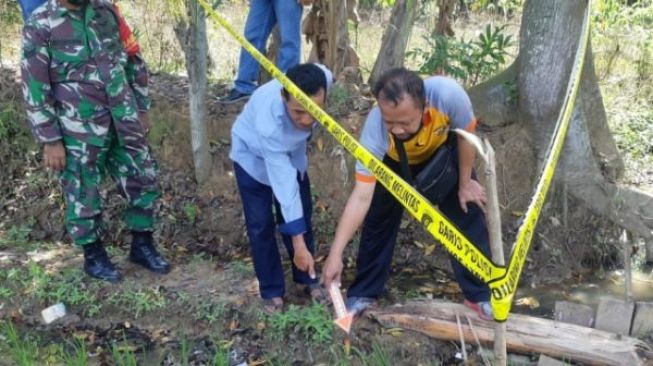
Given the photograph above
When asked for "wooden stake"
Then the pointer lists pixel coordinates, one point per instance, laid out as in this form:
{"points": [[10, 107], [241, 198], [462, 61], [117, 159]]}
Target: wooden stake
{"points": [[462, 339], [627, 272], [493, 213], [486, 362]]}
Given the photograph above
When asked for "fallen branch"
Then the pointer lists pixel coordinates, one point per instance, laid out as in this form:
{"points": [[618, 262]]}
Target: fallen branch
{"points": [[524, 334]]}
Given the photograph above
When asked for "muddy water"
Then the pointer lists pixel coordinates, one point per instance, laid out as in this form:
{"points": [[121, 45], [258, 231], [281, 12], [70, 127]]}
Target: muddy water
{"points": [[587, 289]]}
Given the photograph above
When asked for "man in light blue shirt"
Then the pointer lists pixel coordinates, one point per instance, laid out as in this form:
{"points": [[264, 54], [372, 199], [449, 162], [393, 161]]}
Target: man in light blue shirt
{"points": [[269, 141]]}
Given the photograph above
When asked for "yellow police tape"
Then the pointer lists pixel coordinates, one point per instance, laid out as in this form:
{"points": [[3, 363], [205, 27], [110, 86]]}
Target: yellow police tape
{"points": [[502, 286], [503, 290]]}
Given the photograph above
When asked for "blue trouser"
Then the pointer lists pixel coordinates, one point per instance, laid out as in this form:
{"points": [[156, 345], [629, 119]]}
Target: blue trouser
{"points": [[263, 15], [28, 6], [257, 199], [379, 235]]}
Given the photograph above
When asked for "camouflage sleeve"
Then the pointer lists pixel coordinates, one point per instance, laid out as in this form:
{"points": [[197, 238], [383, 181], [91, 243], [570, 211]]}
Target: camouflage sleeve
{"points": [[35, 72], [137, 76], [136, 68]]}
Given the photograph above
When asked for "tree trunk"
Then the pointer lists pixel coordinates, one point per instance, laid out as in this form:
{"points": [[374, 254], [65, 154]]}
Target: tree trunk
{"points": [[196, 65], [326, 27], [445, 13], [525, 334], [590, 162], [271, 54], [395, 38]]}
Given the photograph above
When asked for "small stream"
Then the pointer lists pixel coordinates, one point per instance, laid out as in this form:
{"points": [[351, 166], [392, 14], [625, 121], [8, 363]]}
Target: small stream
{"points": [[587, 290]]}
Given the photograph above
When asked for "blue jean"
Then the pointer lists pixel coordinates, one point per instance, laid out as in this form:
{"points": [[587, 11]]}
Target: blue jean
{"points": [[28, 6], [263, 15], [257, 199]]}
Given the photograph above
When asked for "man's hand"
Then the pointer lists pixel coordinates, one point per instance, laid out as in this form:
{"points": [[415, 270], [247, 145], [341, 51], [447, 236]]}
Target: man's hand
{"points": [[472, 192], [332, 270], [54, 156], [304, 261], [145, 121], [305, 2]]}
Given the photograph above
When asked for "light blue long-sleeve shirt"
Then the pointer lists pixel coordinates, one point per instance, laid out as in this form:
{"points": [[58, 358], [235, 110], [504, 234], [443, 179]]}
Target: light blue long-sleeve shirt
{"points": [[272, 150]]}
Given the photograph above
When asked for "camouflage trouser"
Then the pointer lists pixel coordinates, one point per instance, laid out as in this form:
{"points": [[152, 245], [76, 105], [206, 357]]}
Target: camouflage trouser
{"points": [[131, 166]]}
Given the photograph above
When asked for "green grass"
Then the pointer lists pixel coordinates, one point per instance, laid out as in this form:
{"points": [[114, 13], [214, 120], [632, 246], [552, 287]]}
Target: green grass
{"points": [[377, 357], [70, 286], [78, 355], [123, 356], [138, 301], [209, 310], [23, 349], [221, 355], [240, 268], [623, 57], [314, 323], [16, 237], [184, 350]]}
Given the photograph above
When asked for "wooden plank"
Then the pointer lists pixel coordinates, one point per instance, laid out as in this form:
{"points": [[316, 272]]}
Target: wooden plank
{"points": [[524, 333]]}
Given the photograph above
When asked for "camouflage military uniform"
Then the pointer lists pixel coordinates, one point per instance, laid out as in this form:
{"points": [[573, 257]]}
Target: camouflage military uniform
{"points": [[83, 88]]}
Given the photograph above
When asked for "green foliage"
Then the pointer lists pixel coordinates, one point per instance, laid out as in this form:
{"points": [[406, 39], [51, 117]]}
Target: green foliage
{"points": [[611, 13], [22, 348], [378, 357], [191, 210], [504, 7], [369, 4], [469, 61], [623, 49], [140, 301], [16, 236], [6, 293], [313, 322], [209, 311], [10, 13], [184, 350], [12, 130], [123, 356], [221, 355], [79, 354], [338, 97], [240, 268], [635, 135], [67, 286]]}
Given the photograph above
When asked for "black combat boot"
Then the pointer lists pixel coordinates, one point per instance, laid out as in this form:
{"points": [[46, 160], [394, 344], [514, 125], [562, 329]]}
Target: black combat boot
{"points": [[144, 253], [97, 263]]}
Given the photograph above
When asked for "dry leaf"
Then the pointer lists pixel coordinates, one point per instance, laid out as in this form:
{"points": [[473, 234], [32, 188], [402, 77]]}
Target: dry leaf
{"points": [[530, 301], [395, 332], [429, 249], [233, 325]]}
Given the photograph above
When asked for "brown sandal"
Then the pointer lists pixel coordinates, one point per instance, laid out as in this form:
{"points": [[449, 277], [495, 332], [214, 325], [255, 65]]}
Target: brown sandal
{"points": [[273, 305]]}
